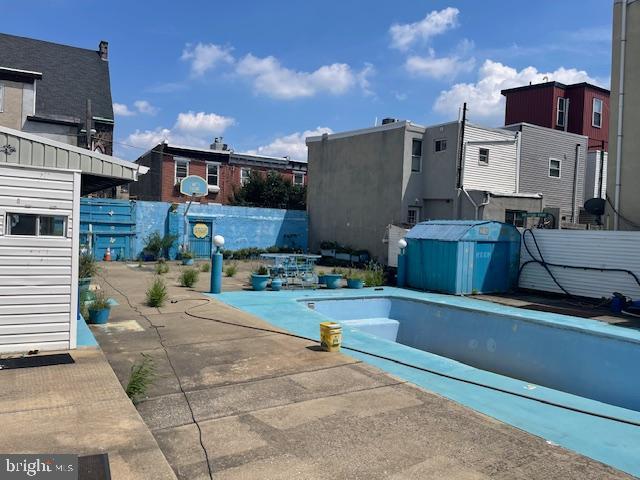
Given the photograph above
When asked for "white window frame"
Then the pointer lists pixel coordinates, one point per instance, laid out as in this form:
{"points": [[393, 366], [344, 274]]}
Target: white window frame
{"points": [[435, 145], [552, 159], [1, 97], [244, 180], [593, 112], [480, 161], [416, 210], [7, 223], [418, 157], [301, 176], [175, 168], [217, 167], [561, 120]]}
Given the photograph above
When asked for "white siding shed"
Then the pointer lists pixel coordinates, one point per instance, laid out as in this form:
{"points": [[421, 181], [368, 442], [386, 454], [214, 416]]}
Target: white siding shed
{"points": [[39, 224]]}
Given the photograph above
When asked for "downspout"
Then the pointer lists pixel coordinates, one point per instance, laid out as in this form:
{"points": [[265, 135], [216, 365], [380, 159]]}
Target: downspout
{"points": [[623, 44], [518, 150], [575, 184], [475, 205]]}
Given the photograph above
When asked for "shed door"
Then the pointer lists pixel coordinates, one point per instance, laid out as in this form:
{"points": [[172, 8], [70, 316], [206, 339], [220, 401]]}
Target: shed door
{"points": [[491, 268], [200, 234]]}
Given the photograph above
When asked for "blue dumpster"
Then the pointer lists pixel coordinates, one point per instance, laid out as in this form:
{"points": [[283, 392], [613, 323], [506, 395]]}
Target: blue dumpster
{"points": [[462, 257]]}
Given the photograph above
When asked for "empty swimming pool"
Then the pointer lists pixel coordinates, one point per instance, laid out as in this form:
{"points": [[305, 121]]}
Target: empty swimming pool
{"points": [[576, 356]]}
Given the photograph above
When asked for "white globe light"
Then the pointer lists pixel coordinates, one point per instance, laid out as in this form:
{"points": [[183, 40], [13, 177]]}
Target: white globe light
{"points": [[402, 243], [218, 240]]}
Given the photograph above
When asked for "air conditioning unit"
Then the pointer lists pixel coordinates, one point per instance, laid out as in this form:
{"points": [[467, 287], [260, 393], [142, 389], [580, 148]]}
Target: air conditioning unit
{"points": [[213, 188]]}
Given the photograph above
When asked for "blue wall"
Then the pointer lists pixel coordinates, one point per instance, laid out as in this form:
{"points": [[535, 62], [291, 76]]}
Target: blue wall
{"points": [[240, 226]]}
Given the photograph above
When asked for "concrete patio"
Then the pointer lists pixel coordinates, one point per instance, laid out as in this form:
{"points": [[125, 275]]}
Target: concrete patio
{"points": [[270, 406]]}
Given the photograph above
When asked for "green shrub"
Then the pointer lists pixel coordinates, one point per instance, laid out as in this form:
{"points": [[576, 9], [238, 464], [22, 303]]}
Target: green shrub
{"points": [[87, 267], [141, 378], [157, 293], [205, 267], [262, 270], [355, 275], [231, 269], [162, 267], [100, 301], [374, 275], [189, 277], [157, 245], [186, 255]]}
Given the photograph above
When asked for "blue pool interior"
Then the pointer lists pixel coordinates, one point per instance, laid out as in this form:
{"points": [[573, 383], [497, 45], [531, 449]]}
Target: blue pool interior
{"points": [[565, 379]]}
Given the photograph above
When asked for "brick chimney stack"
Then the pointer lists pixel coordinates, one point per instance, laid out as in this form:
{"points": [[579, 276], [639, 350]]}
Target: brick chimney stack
{"points": [[103, 49]]}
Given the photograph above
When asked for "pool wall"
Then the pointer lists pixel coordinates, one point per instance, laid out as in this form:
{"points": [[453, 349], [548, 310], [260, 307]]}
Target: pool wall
{"points": [[578, 361]]}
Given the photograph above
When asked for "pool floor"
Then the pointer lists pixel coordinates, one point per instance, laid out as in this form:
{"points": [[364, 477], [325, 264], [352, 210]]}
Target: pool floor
{"points": [[615, 443]]}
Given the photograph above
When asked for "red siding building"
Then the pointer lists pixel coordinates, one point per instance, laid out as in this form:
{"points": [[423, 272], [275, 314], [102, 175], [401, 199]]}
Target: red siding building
{"points": [[580, 108], [223, 169]]}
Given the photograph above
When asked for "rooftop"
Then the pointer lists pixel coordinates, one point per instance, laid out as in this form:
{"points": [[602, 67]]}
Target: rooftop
{"points": [[555, 84]]}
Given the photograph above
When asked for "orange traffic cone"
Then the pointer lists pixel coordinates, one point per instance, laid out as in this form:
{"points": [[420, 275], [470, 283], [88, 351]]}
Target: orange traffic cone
{"points": [[107, 255]]}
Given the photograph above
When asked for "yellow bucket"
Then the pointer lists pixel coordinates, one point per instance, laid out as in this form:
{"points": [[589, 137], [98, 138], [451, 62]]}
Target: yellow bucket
{"points": [[330, 336]]}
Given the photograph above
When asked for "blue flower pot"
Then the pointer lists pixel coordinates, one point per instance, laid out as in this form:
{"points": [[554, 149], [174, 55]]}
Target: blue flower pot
{"points": [[276, 284], [259, 282], [322, 279], [99, 317], [332, 280], [187, 261], [355, 283]]}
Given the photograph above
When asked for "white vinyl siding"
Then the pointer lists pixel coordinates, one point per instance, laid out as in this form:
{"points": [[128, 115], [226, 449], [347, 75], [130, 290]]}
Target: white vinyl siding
{"points": [[38, 274], [500, 173]]}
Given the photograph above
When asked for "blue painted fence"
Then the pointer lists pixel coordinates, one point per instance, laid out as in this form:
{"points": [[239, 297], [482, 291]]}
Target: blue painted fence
{"points": [[130, 222]]}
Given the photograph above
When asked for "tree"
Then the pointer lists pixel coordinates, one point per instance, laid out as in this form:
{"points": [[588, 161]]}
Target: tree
{"points": [[270, 191]]}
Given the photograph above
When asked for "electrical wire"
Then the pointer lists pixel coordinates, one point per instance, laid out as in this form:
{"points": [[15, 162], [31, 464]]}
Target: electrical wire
{"points": [[175, 373]]}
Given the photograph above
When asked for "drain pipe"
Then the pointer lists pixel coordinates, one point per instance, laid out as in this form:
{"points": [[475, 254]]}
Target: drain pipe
{"points": [[623, 44], [477, 206], [575, 184]]}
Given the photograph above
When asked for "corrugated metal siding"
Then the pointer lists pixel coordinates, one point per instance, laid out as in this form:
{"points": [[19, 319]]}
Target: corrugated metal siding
{"points": [[600, 249], [33, 150], [38, 280], [537, 146], [500, 173], [108, 223]]}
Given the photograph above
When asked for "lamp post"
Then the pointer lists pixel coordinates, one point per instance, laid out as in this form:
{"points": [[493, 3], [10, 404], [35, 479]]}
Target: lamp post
{"points": [[402, 263], [216, 265]]}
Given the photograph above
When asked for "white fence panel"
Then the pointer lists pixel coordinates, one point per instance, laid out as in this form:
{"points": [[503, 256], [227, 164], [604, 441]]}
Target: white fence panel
{"points": [[583, 248]]}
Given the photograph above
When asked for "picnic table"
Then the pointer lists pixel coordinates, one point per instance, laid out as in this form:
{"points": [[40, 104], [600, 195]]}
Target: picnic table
{"points": [[292, 268]]}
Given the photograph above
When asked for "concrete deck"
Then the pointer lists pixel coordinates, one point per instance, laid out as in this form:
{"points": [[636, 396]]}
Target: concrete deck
{"points": [[81, 409], [275, 407]]}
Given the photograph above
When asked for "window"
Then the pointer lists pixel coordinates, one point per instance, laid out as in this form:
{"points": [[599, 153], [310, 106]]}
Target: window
{"points": [[416, 155], [36, 225], [596, 118], [298, 178], [1, 97], [554, 167], [244, 175], [182, 170], [562, 111], [212, 174], [515, 217], [412, 216], [483, 156], [440, 145]]}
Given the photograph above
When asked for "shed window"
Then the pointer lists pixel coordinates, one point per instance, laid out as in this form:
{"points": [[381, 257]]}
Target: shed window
{"points": [[562, 111], [244, 176], [483, 156], [554, 167], [596, 119], [440, 145], [298, 178], [182, 170], [36, 225], [416, 155], [212, 174]]}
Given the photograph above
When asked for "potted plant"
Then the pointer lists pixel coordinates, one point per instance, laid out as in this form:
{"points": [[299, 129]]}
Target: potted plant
{"points": [[260, 278], [333, 280], [99, 309], [86, 269], [355, 279], [187, 257], [276, 284], [328, 249]]}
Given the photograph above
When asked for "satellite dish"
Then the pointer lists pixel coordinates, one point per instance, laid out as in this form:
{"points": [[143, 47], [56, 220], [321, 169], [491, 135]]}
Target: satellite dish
{"points": [[595, 206]]}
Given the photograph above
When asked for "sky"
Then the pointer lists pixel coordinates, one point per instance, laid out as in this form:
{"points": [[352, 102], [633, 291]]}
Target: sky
{"points": [[264, 75]]}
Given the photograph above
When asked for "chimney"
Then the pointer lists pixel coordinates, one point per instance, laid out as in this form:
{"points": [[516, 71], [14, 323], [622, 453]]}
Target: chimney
{"points": [[218, 145], [103, 49]]}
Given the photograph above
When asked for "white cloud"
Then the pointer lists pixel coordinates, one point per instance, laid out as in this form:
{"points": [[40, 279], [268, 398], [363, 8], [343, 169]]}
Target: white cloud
{"points": [[204, 56], [269, 77], [190, 129], [442, 68], [435, 23], [483, 97], [145, 107], [292, 146], [122, 110]]}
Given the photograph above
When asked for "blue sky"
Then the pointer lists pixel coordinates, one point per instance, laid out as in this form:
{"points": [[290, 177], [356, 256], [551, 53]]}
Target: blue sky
{"points": [[265, 74]]}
